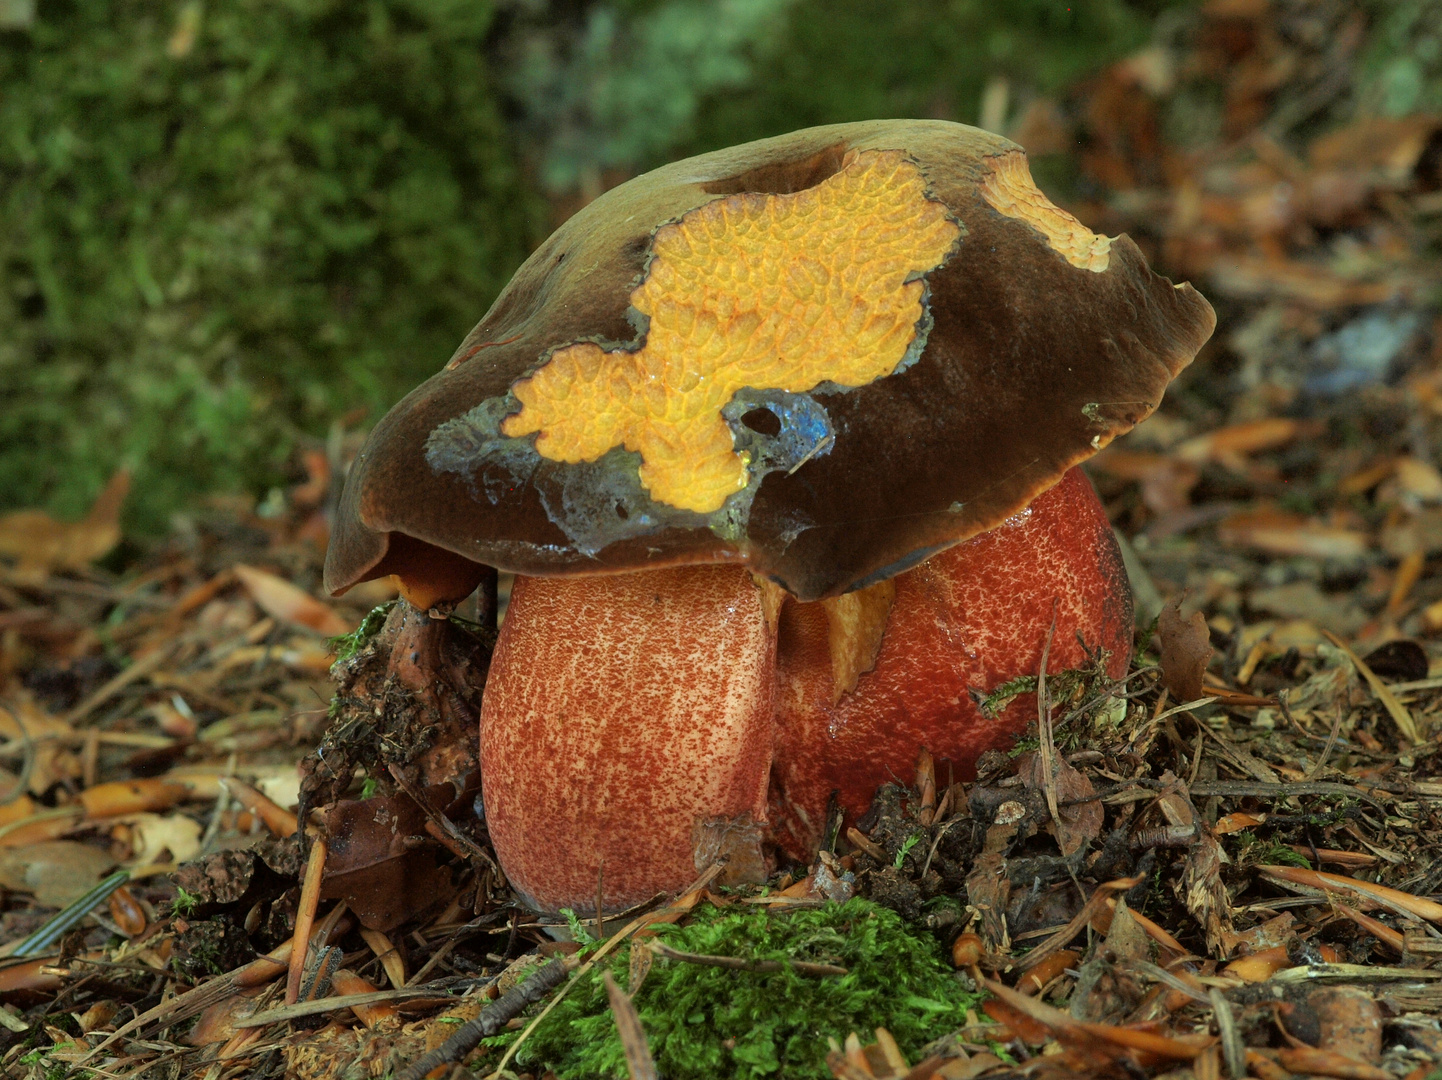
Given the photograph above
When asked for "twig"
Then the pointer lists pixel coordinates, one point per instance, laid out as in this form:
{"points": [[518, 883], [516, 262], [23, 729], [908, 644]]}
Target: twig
{"points": [[740, 963], [449, 827], [1047, 747], [137, 670], [317, 1006], [491, 1019], [305, 919], [1266, 790]]}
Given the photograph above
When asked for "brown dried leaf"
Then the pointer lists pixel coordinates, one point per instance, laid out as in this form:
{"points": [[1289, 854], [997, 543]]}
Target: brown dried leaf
{"points": [[1201, 888], [734, 842], [1229, 443], [56, 872], [381, 860], [1351, 1022], [1278, 533], [1186, 648], [43, 544], [116, 797], [1079, 823], [289, 603], [639, 1062]]}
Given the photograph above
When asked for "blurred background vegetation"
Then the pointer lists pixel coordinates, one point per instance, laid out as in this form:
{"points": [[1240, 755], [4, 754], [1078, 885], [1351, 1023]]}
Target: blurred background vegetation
{"points": [[230, 228]]}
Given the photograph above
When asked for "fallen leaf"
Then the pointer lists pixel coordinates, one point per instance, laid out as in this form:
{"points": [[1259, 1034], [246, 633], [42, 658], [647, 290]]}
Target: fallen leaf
{"points": [[1227, 444], [1351, 1022], [381, 861], [1186, 649], [56, 872], [1078, 823], [152, 836], [117, 797], [1280, 533], [42, 544], [289, 603]]}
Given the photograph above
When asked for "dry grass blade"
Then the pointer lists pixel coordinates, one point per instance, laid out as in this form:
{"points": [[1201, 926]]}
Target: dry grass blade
{"points": [[1233, 1048], [1093, 907], [639, 1062], [1047, 749], [1395, 709], [1063, 1023]]}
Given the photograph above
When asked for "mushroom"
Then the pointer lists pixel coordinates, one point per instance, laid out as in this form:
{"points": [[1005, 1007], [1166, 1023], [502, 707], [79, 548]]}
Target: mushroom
{"points": [[779, 442]]}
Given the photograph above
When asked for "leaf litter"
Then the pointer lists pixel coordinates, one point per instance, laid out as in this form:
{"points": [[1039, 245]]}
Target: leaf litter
{"points": [[1224, 864]]}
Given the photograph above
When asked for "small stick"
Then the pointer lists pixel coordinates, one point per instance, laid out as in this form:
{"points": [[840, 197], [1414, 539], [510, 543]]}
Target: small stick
{"points": [[491, 1019], [1046, 747], [305, 919], [738, 963]]}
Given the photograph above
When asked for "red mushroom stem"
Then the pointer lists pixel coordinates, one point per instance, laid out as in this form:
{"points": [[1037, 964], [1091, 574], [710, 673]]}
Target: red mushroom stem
{"points": [[622, 711], [968, 619], [619, 712]]}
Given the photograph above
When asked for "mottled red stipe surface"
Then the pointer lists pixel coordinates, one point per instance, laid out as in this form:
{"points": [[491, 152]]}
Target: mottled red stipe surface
{"points": [[973, 616], [618, 710], [621, 709]]}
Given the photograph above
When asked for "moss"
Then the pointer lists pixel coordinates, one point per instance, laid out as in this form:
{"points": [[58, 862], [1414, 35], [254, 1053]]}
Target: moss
{"points": [[227, 223], [347, 645], [711, 1023]]}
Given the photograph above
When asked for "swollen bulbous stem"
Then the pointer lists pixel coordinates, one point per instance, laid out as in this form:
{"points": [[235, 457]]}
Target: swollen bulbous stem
{"points": [[620, 713]]}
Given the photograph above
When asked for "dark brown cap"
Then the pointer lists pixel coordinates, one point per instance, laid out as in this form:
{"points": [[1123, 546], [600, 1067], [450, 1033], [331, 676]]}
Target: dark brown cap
{"points": [[824, 356]]}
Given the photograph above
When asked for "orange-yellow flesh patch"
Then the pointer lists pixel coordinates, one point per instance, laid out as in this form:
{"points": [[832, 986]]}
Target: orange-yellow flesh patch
{"points": [[1010, 190], [774, 292]]}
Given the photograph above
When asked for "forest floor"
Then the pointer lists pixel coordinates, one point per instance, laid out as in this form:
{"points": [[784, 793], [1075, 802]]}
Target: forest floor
{"points": [[1232, 868]]}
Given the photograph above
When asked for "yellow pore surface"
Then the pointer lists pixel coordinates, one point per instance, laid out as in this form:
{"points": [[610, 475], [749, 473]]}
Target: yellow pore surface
{"points": [[774, 292], [1010, 190]]}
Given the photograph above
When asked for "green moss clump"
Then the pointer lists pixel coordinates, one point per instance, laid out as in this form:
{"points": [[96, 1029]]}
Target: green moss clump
{"points": [[347, 645], [711, 1023], [227, 223]]}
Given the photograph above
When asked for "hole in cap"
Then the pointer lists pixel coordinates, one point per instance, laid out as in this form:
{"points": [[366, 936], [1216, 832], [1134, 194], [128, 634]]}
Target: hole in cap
{"points": [[762, 421]]}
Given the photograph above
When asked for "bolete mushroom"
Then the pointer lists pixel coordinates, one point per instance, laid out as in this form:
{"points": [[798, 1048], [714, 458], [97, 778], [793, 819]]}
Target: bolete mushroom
{"points": [[779, 442]]}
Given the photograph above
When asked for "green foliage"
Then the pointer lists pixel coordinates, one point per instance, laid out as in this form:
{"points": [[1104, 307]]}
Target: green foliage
{"points": [[225, 224], [905, 850], [621, 87], [184, 902], [1402, 63], [712, 1023], [1006, 693], [629, 84], [1269, 852], [347, 645], [579, 933]]}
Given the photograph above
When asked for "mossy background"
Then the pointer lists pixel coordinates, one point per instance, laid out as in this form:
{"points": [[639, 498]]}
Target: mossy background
{"points": [[708, 1022], [226, 225]]}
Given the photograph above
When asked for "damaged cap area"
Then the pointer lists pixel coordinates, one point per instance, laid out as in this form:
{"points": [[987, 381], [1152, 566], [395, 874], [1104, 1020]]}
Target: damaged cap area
{"points": [[824, 356]]}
